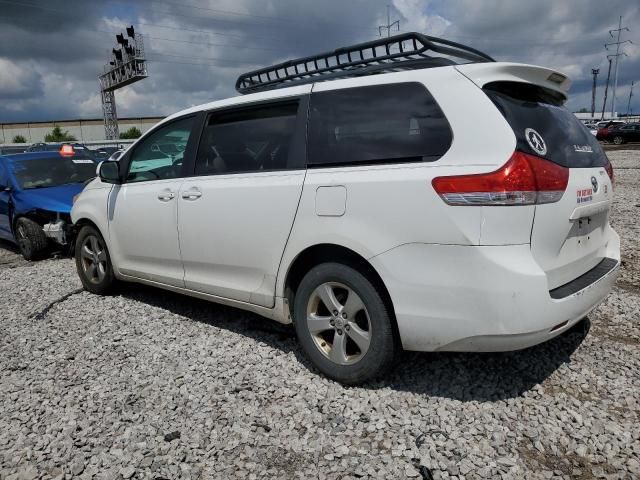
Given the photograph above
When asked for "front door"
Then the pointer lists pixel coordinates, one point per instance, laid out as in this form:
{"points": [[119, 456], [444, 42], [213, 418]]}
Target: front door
{"points": [[236, 212], [143, 210]]}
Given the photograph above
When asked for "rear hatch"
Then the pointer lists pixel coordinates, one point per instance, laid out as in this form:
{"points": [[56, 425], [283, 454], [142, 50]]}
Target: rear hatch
{"points": [[570, 235]]}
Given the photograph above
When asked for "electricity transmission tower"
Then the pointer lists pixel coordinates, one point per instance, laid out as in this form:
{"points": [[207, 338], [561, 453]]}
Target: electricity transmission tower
{"points": [[606, 88], [617, 55], [594, 72], [389, 25], [127, 65]]}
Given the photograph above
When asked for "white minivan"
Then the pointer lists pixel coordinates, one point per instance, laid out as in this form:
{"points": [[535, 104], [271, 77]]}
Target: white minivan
{"points": [[406, 193]]}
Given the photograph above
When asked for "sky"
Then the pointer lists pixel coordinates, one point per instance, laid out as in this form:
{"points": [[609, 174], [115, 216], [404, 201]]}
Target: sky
{"points": [[52, 51]]}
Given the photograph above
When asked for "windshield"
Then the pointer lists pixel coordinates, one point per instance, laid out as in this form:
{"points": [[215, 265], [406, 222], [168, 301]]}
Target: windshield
{"points": [[52, 172]]}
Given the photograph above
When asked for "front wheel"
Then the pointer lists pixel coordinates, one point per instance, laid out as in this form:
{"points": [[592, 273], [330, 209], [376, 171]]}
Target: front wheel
{"points": [[93, 261], [31, 239], [618, 140], [343, 324]]}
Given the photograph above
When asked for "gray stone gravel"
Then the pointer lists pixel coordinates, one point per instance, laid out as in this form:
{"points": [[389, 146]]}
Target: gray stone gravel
{"points": [[148, 384]]}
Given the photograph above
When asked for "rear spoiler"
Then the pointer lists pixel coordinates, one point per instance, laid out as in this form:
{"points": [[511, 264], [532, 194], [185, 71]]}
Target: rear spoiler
{"points": [[483, 73]]}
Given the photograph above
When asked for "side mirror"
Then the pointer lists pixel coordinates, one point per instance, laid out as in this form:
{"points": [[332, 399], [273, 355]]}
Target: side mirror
{"points": [[109, 172]]}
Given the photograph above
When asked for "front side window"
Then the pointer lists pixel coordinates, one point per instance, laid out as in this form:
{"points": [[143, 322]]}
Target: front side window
{"points": [[376, 124], [159, 155], [248, 140]]}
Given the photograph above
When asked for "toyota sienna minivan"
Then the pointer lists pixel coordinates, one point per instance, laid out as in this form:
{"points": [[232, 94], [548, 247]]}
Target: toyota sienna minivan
{"points": [[406, 193]]}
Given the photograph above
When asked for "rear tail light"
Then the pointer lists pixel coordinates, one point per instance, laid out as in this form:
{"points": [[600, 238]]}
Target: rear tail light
{"points": [[67, 151], [524, 180], [609, 168]]}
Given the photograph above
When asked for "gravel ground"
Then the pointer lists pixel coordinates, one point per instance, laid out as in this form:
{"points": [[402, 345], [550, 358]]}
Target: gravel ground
{"points": [[148, 384]]}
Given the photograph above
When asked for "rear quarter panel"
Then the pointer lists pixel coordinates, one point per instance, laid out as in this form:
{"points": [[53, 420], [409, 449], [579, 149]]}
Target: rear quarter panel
{"points": [[393, 204]]}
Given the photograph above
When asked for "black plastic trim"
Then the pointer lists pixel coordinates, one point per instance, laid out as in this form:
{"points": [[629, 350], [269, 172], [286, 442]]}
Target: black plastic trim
{"points": [[583, 281]]}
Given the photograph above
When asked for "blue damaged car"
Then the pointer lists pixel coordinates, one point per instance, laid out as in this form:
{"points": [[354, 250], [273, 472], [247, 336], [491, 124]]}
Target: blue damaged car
{"points": [[36, 195]]}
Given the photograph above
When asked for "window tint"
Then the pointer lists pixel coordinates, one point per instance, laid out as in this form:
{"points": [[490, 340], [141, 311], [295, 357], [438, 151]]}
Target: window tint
{"points": [[527, 106], [376, 124], [4, 180], [250, 140], [160, 155]]}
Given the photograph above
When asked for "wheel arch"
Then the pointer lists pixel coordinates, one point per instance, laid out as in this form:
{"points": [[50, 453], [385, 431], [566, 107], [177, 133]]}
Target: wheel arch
{"points": [[328, 252]]}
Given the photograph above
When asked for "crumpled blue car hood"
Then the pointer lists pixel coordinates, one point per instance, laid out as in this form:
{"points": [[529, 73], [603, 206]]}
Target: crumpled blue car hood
{"points": [[53, 199]]}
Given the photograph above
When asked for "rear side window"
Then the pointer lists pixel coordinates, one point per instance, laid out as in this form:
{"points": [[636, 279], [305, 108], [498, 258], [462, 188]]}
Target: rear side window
{"points": [[250, 140], [390, 123], [543, 127]]}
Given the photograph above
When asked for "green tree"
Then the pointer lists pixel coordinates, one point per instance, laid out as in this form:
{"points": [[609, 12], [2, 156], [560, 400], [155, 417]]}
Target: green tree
{"points": [[133, 132], [57, 135], [583, 110], [19, 139]]}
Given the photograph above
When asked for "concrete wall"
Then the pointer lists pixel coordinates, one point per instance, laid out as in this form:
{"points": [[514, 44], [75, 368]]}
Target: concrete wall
{"points": [[83, 130]]}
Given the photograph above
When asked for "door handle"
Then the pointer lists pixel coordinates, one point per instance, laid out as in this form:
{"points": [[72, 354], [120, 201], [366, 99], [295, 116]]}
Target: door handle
{"points": [[166, 196], [192, 194]]}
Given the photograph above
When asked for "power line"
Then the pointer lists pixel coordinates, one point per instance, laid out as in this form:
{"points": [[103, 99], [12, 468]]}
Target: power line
{"points": [[216, 10]]}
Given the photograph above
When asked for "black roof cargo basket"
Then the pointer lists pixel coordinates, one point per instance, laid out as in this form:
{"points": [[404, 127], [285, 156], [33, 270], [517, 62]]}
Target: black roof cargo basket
{"points": [[400, 52]]}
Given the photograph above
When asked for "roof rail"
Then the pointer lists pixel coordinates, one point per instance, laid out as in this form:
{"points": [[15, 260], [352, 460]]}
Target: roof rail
{"points": [[400, 52]]}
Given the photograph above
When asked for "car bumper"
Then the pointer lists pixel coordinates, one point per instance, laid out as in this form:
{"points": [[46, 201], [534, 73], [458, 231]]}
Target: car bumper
{"points": [[481, 298]]}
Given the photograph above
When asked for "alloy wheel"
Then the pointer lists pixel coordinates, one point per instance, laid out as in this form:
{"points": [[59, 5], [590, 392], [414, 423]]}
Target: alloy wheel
{"points": [[339, 323], [93, 256]]}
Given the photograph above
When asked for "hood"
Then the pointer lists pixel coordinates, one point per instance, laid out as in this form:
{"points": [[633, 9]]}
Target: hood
{"points": [[53, 199]]}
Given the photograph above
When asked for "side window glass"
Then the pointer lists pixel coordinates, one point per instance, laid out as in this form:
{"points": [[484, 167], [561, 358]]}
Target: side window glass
{"points": [[376, 124], [160, 155], [4, 180], [251, 140]]}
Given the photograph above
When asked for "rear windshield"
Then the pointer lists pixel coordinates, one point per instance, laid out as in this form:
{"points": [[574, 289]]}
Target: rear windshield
{"points": [[543, 127]]}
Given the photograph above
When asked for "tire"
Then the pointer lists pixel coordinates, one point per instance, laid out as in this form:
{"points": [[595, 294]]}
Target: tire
{"points": [[618, 140], [93, 262], [365, 346], [32, 242]]}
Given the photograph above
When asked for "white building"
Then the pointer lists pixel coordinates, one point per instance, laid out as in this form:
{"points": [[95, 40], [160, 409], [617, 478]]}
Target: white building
{"points": [[84, 130]]}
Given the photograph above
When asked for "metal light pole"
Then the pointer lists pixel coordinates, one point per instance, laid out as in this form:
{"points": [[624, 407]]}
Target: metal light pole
{"points": [[594, 72]]}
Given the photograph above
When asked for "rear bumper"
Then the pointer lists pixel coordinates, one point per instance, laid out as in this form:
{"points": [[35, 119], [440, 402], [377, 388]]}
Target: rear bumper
{"points": [[481, 298]]}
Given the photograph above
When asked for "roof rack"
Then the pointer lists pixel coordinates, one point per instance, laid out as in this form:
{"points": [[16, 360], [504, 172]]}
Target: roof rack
{"points": [[400, 52]]}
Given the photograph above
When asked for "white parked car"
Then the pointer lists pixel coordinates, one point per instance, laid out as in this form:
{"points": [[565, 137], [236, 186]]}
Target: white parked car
{"points": [[432, 206]]}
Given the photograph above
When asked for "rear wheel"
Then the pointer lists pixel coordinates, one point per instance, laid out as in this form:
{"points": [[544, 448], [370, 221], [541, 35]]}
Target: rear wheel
{"points": [[618, 140], [343, 324], [93, 261], [31, 239]]}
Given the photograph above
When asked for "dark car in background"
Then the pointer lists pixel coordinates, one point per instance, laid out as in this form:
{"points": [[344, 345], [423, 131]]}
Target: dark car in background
{"points": [[604, 127], [620, 134], [103, 153], [9, 149], [36, 195], [56, 147]]}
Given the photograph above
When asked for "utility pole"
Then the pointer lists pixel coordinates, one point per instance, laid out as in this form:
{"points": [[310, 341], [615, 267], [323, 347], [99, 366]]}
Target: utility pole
{"points": [[389, 24], [630, 95], [594, 72], [606, 88], [617, 55]]}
